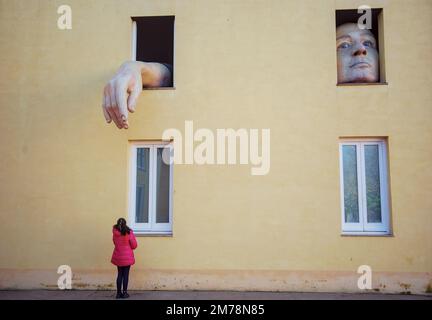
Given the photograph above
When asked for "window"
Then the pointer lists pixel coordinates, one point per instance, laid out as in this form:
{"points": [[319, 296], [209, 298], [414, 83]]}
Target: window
{"points": [[364, 187], [153, 40], [354, 67], [150, 195]]}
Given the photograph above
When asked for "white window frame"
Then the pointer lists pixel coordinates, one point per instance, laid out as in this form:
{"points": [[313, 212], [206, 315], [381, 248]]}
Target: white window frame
{"points": [[134, 40], [134, 46], [150, 228], [363, 227]]}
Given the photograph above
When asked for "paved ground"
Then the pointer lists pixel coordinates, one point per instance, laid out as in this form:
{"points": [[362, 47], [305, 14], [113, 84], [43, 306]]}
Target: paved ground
{"points": [[198, 295]]}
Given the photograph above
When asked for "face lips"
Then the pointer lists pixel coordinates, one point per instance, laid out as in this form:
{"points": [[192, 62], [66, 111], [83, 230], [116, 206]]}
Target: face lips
{"points": [[360, 64]]}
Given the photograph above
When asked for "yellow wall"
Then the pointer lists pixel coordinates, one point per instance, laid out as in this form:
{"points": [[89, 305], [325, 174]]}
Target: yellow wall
{"points": [[238, 64]]}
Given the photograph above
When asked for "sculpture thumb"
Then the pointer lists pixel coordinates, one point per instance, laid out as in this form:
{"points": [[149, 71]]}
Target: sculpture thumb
{"points": [[132, 100]]}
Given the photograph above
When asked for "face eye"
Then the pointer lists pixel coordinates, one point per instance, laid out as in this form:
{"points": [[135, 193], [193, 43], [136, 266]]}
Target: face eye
{"points": [[344, 45], [369, 44]]}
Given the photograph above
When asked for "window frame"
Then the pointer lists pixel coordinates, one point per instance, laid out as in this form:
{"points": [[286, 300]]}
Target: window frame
{"points": [[381, 46], [150, 228], [134, 40], [134, 48], [363, 227]]}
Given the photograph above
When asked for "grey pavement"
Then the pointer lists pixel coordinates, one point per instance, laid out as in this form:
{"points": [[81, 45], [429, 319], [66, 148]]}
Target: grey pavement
{"points": [[199, 295]]}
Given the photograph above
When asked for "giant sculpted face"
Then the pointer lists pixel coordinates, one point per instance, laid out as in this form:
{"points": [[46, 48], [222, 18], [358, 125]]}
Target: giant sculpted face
{"points": [[357, 54]]}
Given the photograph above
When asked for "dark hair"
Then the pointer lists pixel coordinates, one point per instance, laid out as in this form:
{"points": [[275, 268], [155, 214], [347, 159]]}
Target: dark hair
{"points": [[122, 227]]}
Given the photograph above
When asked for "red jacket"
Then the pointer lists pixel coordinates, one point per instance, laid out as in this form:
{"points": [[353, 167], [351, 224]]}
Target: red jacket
{"points": [[123, 252]]}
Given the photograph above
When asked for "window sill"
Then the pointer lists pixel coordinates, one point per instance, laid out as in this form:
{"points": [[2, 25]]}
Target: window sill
{"points": [[159, 88], [362, 84], [153, 234], [366, 234]]}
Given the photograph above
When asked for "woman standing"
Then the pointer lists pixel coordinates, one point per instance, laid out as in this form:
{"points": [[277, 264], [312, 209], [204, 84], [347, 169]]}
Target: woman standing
{"points": [[123, 256]]}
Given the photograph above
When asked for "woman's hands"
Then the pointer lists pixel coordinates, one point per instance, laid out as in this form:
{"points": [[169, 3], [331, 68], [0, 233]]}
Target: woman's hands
{"points": [[132, 241]]}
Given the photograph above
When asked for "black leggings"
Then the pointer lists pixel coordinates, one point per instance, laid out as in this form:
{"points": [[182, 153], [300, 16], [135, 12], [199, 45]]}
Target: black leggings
{"points": [[122, 278]]}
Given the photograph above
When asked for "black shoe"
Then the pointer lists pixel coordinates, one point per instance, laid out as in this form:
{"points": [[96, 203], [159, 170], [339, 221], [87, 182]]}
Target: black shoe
{"points": [[125, 295], [119, 296]]}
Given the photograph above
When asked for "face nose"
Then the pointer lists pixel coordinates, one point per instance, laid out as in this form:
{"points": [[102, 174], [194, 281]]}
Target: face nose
{"points": [[359, 50]]}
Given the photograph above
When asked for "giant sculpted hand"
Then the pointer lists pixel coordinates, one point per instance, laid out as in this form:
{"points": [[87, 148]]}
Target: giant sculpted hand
{"points": [[122, 91]]}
